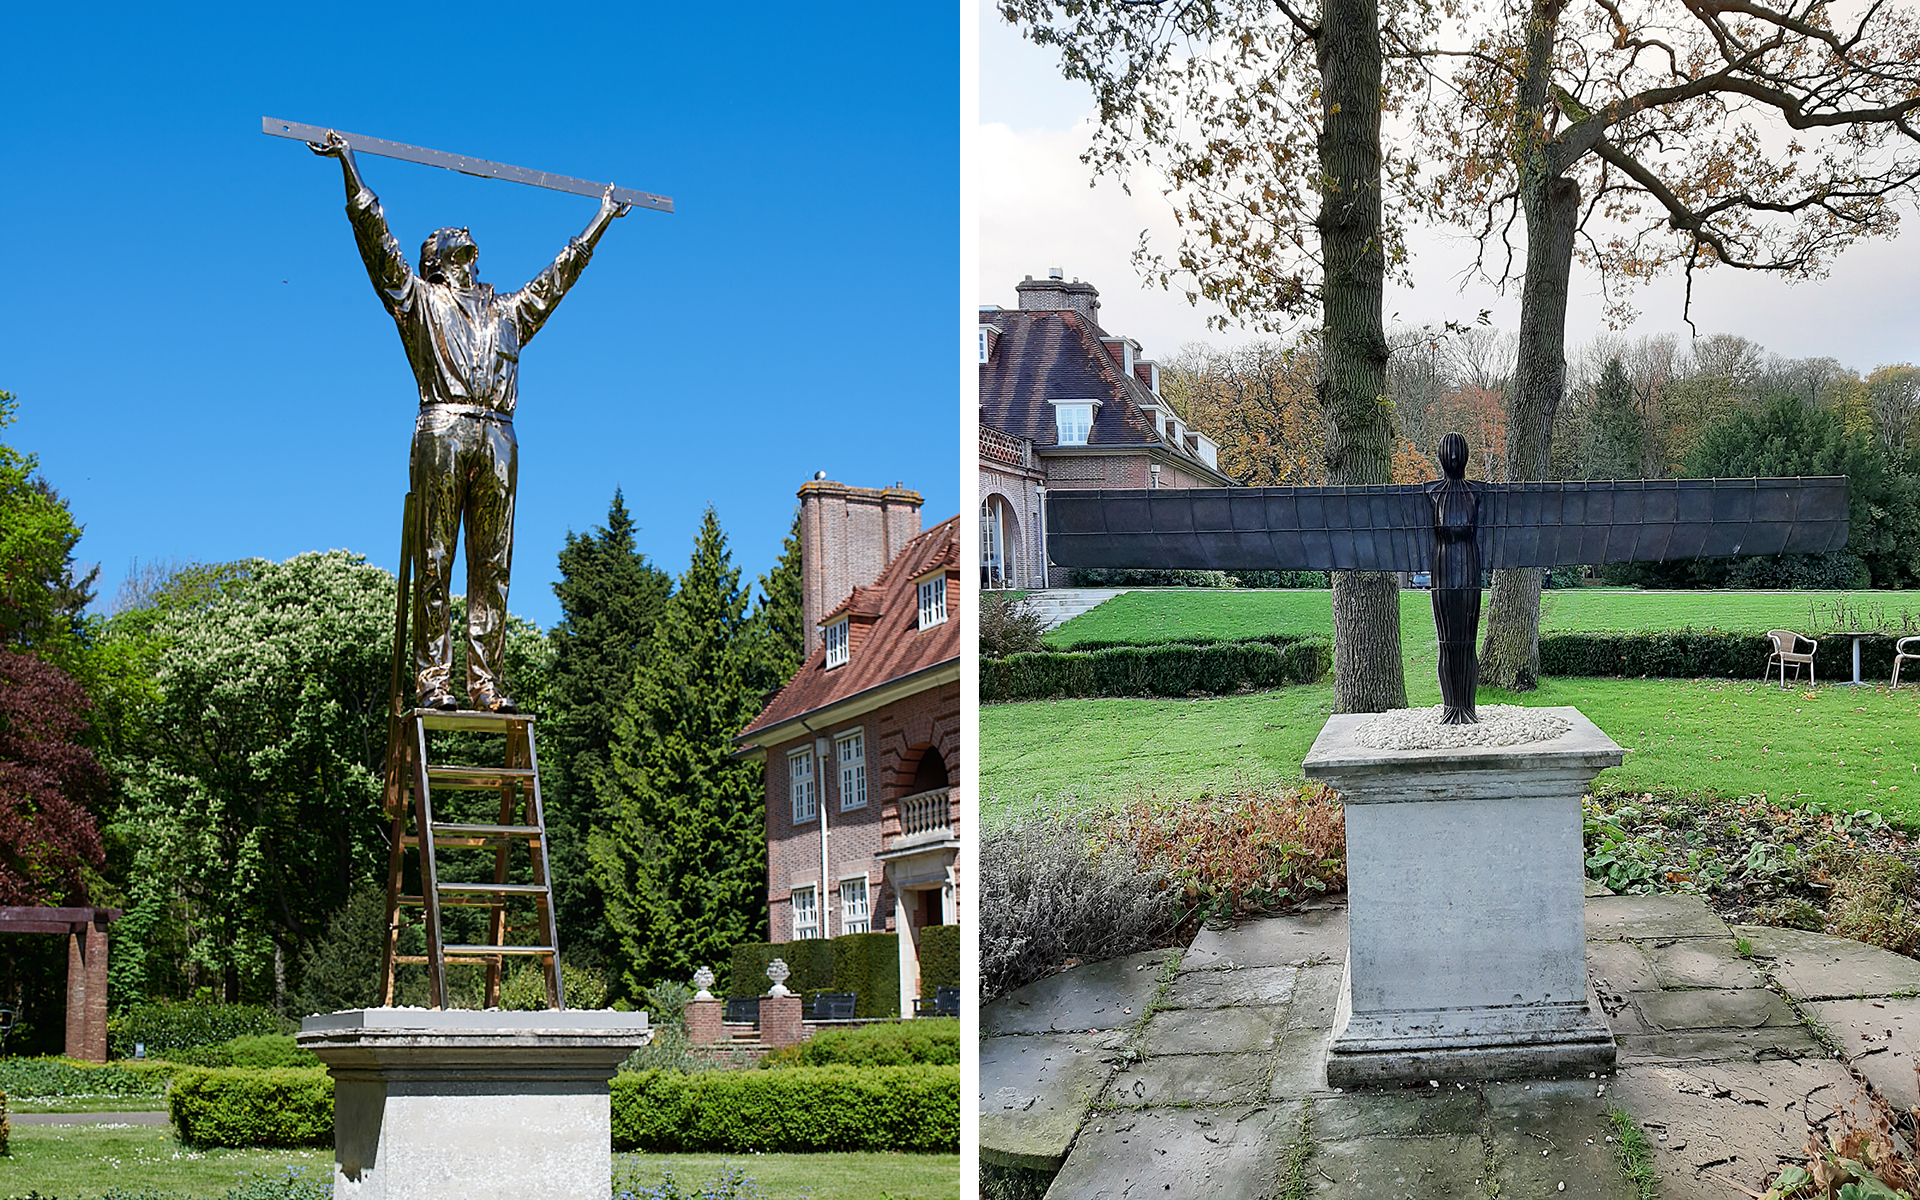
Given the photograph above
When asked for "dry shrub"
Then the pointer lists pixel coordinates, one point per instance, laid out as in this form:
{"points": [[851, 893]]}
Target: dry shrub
{"points": [[1057, 888], [1875, 903], [1244, 854], [1009, 625]]}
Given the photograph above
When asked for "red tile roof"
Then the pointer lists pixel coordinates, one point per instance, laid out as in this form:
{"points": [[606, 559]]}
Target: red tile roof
{"points": [[894, 647]]}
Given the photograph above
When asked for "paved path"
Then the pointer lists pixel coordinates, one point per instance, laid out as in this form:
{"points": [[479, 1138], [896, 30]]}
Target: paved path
{"points": [[97, 1118], [1203, 1073], [1057, 606]]}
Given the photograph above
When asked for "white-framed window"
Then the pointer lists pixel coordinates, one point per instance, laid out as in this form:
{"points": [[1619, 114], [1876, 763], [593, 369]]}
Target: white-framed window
{"points": [[851, 750], [836, 640], [800, 785], [806, 914], [933, 601], [853, 905], [1073, 422], [983, 345]]}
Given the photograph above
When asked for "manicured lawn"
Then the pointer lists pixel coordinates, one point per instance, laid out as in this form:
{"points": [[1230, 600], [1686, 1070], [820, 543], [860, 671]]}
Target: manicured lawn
{"points": [[1857, 746], [88, 1104], [82, 1162], [812, 1176], [1163, 613]]}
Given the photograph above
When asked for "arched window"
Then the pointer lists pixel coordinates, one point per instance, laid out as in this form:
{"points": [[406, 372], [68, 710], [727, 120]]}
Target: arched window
{"points": [[999, 534]]}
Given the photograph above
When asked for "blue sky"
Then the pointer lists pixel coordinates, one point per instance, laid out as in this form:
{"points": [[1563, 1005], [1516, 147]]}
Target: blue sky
{"points": [[205, 372]]}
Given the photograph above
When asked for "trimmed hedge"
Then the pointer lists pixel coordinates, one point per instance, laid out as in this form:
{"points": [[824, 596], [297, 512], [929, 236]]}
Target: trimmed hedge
{"points": [[241, 1106], [929, 1040], [165, 1026], [867, 964], [1702, 654], [939, 958], [57, 1078], [788, 1109], [1165, 669], [254, 1050], [6, 1126]]}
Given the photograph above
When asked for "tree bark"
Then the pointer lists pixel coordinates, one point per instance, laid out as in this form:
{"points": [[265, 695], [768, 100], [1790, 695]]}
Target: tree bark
{"points": [[1510, 655], [1367, 672]]}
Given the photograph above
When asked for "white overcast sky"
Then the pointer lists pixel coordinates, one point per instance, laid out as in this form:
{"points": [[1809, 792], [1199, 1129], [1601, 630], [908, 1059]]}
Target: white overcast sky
{"points": [[1036, 212]]}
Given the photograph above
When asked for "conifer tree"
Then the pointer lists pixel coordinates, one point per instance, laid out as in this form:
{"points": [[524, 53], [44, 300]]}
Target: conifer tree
{"points": [[610, 599], [683, 863], [778, 616], [1616, 434]]}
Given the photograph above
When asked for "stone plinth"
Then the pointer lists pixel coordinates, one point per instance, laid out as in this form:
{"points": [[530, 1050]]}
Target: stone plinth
{"points": [[462, 1105], [706, 1022], [1466, 954], [780, 1021]]}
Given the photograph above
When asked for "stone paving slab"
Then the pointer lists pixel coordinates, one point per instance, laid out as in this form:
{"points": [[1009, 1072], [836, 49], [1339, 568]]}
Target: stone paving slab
{"points": [[1176, 1079], [1704, 1008], [1213, 1031], [1549, 1133], [1301, 939], [1813, 966], [1739, 1121], [1219, 989], [1700, 963], [1406, 1113], [1656, 917], [1718, 1045], [1179, 1154], [1420, 1168], [1316, 996], [1098, 996], [1034, 1092], [1622, 966], [1881, 1039]]}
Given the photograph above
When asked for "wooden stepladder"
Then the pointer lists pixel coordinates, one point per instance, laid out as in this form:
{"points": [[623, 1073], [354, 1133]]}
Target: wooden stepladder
{"points": [[520, 823], [411, 780]]}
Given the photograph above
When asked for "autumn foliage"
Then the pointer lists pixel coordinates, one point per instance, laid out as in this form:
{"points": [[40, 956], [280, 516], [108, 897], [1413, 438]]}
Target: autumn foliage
{"points": [[47, 781]]}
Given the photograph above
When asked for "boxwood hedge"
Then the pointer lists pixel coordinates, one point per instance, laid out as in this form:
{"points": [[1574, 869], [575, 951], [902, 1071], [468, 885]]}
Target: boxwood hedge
{"points": [[934, 1040], [788, 1109], [1163, 669], [939, 958], [1703, 654], [242, 1106], [867, 964], [165, 1026], [58, 1078]]}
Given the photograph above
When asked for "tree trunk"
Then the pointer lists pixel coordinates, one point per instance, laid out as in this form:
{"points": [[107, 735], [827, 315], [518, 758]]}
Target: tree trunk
{"points": [[1367, 673], [1510, 656]]}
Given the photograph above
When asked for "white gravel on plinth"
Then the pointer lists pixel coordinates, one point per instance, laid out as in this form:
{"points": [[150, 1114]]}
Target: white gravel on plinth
{"points": [[1420, 728]]}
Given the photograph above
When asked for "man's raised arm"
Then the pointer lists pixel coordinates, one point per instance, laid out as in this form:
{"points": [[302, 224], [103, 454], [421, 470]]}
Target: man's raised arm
{"points": [[387, 264], [534, 303]]}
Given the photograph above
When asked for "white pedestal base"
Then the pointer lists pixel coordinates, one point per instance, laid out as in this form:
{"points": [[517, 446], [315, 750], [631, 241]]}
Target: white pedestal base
{"points": [[456, 1105], [1467, 933]]}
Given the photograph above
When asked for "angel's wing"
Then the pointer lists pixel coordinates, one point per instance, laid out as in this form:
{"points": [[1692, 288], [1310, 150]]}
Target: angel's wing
{"points": [[1243, 529], [1657, 520]]}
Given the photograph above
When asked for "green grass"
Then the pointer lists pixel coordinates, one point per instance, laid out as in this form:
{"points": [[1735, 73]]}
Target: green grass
{"points": [[88, 1104], [1160, 614], [813, 1176], [1856, 746], [1636, 1155], [80, 1162]]}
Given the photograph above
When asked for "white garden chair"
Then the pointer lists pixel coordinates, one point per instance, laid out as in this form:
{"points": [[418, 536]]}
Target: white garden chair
{"points": [[1786, 647], [1907, 649]]}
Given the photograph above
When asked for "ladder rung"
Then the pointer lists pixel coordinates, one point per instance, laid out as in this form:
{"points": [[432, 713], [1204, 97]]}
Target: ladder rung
{"points": [[470, 959], [451, 902], [476, 778], [490, 951], [471, 719], [497, 889], [487, 831]]}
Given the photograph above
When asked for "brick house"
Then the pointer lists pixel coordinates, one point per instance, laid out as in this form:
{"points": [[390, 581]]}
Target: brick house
{"points": [[862, 747], [1065, 404]]}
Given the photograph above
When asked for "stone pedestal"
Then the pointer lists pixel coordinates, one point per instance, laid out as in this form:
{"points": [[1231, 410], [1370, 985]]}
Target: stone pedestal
{"points": [[1465, 878], [462, 1105], [780, 1020], [706, 1021]]}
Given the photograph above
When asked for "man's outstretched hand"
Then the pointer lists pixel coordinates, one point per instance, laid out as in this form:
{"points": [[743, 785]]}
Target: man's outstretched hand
{"points": [[608, 205], [333, 147]]}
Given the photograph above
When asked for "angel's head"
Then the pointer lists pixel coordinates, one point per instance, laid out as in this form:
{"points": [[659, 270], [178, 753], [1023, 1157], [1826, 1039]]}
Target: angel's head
{"points": [[1453, 456]]}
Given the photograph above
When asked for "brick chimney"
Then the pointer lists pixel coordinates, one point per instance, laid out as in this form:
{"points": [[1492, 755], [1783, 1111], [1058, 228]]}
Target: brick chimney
{"points": [[1054, 293], [848, 535]]}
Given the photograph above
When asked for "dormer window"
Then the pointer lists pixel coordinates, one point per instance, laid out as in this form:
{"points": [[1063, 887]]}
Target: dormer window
{"points": [[1073, 422], [933, 601], [836, 641], [983, 345]]}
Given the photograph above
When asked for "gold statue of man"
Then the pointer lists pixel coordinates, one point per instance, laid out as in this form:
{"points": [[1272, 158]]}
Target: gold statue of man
{"points": [[463, 340]]}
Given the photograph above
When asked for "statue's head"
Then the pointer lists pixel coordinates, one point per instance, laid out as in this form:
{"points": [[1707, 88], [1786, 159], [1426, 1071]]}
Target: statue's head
{"points": [[1453, 456], [449, 256]]}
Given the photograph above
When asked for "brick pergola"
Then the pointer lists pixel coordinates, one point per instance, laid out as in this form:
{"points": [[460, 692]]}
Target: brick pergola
{"points": [[86, 930]]}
